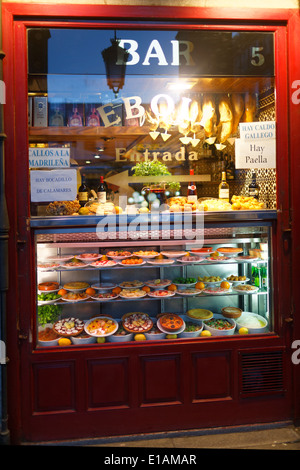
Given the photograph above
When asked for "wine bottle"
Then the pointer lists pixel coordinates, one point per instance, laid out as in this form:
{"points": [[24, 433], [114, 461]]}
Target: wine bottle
{"points": [[192, 189], [224, 188], [253, 187], [75, 118], [101, 191], [83, 192], [93, 118]]}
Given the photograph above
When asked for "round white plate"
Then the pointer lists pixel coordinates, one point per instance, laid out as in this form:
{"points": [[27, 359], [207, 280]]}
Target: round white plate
{"points": [[221, 259], [173, 254], [221, 292], [131, 287], [104, 286], [140, 296], [101, 335], [60, 259], [156, 296], [246, 259], [46, 302], [235, 283], [176, 332], [119, 257], [88, 259], [131, 265], [185, 285], [242, 291], [74, 300], [195, 292], [161, 261], [163, 283], [77, 266], [196, 260], [48, 291], [47, 266], [229, 254], [106, 264], [99, 299], [144, 256]]}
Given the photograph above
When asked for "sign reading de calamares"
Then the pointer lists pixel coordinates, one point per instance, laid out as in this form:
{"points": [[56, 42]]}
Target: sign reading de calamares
{"points": [[53, 185], [49, 157], [256, 147]]}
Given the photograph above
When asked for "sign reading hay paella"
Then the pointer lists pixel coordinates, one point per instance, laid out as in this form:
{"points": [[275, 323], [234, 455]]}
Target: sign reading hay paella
{"points": [[256, 147], [54, 185]]}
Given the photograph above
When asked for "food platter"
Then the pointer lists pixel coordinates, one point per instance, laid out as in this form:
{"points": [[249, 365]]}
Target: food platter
{"points": [[235, 282], [216, 291], [101, 326], [107, 263], [146, 254], [161, 294], [74, 263], [245, 289], [137, 322], [48, 287], [189, 292], [158, 283], [75, 297], [246, 259], [191, 259], [104, 286], [68, 326], [119, 254], [47, 266], [131, 284], [161, 261], [88, 257], [173, 254], [171, 323], [132, 262], [104, 297], [59, 258], [229, 251], [132, 294], [76, 286]]}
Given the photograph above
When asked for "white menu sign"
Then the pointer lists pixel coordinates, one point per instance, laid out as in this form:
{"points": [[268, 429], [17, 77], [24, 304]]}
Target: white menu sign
{"points": [[49, 157], [53, 185], [256, 147], [255, 153]]}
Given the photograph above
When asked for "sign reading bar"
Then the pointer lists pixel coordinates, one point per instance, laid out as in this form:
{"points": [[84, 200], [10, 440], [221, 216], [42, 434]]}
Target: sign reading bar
{"points": [[49, 157], [54, 185], [255, 153]]}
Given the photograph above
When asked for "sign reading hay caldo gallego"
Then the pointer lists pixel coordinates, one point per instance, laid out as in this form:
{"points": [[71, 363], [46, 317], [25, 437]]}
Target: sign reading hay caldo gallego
{"points": [[256, 147]]}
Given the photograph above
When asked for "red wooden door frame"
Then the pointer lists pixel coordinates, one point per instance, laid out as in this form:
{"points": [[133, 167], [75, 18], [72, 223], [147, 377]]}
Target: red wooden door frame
{"points": [[16, 17]]}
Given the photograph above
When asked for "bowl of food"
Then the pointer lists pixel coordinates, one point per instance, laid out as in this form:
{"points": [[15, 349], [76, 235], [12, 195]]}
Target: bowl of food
{"points": [[219, 325], [155, 332], [192, 328], [253, 322], [47, 336], [231, 312], [83, 338], [120, 335]]}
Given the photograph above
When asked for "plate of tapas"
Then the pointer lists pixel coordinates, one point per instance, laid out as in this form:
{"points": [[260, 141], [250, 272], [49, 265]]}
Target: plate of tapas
{"points": [[158, 283], [137, 322], [104, 286], [118, 254], [68, 326], [161, 261], [103, 263], [131, 284], [245, 288], [229, 251], [246, 258], [132, 262], [189, 291], [77, 286], [101, 326], [50, 286], [191, 259], [170, 323], [235, 280], [45, 298], [173, 253], [218, 290], [132, 293], [74, 263], [161, 293], [47, 266], [75, 297], [185, 281], [146, 254], [103, 296], [59, 258], [88, 257]]}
